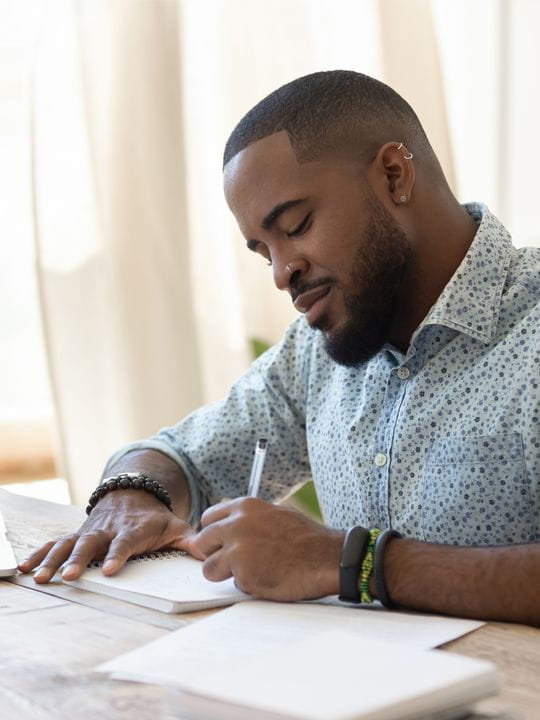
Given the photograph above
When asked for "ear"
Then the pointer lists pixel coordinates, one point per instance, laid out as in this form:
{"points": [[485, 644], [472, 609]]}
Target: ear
{"points": [[392, 173]]}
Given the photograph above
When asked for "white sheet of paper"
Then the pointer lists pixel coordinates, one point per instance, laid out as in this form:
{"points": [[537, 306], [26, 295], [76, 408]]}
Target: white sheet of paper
{"points": [[330, 676], [249, 629]]}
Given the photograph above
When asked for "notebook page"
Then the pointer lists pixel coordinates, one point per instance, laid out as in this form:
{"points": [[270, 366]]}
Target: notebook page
{"points": [[170, 575], [248, 629]]}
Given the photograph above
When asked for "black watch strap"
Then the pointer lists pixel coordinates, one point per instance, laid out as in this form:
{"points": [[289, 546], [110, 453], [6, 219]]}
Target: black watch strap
{"points": [[352, 556], [378, 569]]}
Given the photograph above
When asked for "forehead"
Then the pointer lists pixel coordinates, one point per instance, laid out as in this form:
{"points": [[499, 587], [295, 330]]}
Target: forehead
{"points": [[267, 173], [263, 169]]}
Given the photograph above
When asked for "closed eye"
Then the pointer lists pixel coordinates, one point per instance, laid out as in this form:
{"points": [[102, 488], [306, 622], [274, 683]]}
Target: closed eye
{"points": [[256, 247], [299, 229]]}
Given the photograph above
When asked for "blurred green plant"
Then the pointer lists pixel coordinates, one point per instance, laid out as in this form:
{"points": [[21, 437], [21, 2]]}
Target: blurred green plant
{"points": [[304, 499], [258, 347]]}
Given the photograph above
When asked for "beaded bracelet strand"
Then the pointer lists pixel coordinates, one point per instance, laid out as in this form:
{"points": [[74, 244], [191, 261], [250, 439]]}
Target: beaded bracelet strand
{"points": [[127, 481], [367, 567]]}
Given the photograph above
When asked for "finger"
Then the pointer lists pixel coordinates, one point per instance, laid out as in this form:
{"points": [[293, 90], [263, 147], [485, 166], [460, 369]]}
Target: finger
{"points": [[171, 534], [88, 547], [217, 512], [175, 533], [121, 549], [57, 555], [188, 544], [209, 540], [36, 557], [216, 567]]}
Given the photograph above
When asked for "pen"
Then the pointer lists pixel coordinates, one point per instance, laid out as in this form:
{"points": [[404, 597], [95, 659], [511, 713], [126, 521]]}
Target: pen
{"points": [[257, 467]]}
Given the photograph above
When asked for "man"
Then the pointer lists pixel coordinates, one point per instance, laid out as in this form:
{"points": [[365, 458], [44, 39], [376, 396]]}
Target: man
{"points": [[408, 389]]}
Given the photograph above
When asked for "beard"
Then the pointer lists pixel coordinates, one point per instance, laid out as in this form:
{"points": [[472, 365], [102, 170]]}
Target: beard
{"points": [[381, 268]]}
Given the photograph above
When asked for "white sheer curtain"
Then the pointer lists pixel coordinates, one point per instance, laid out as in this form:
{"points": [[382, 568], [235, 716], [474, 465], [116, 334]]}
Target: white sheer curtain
{"points": [[110, 216], [148, 295], [490, 57]]}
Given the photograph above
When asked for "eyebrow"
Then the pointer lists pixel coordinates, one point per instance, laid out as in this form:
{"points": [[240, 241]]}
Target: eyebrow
{"points": [[278, 210]]}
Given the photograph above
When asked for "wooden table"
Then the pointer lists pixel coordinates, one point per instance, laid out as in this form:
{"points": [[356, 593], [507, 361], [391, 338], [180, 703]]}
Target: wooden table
{"points": [[53, 636]]}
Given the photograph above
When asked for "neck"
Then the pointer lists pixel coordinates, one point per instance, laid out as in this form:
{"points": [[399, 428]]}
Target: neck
{"points": [[443, 233]]}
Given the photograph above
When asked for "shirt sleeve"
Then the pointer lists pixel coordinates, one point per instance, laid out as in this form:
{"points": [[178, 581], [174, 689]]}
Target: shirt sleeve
{"points": [[214, 445]]}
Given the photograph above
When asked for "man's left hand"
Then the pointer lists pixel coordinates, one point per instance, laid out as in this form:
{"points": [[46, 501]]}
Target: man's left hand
{"points": [[272, 552]]}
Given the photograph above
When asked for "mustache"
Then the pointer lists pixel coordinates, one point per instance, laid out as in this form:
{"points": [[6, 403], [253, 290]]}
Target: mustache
{"points": [[298, 288]]}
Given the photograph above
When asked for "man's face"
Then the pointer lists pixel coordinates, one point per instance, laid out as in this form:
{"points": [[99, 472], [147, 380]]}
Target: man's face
{"points": [[331, 243]]}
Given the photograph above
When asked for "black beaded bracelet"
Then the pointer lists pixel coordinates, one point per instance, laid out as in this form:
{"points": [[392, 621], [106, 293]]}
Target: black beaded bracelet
{"points": [[378, 565], [127, 481]]}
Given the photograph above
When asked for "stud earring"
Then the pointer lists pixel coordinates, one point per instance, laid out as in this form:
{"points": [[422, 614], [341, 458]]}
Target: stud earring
{"points": [[403, 199]]}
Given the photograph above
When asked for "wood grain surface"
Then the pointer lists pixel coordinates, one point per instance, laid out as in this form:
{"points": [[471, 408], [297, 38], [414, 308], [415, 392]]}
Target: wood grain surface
{"points": [[52, 636]]}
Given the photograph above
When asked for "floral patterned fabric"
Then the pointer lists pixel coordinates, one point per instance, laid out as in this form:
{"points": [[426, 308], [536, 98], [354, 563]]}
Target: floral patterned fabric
{"points": [[441, 443]]}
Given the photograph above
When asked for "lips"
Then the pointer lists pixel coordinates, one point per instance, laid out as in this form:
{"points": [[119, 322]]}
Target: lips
{"points": [[304, 302]]}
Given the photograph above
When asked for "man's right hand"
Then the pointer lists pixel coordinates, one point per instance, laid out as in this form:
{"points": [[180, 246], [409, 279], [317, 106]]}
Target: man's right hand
{"points": [[122, 524]]}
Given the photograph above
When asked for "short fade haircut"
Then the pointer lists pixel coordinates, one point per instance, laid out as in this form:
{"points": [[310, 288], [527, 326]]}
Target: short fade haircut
{"points": [[333, 112]]}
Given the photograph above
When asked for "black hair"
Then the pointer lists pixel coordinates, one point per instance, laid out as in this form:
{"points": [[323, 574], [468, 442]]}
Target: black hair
{"points": [[329, 112]]}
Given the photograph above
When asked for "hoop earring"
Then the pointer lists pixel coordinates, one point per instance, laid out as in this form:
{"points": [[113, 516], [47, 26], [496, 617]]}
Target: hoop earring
{"points": [[405, 157]]}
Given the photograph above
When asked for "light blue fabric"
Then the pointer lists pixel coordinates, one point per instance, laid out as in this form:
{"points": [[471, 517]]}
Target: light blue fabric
{"points": [[442, 444]]}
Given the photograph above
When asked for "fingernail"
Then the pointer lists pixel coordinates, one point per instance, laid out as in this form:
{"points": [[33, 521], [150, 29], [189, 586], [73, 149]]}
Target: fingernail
{"points": [[108, 565], [69, 570], [42, 574]]}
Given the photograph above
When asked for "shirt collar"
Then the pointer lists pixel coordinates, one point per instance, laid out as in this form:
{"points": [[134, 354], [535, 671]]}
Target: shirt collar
{"points": [[470, 302]]}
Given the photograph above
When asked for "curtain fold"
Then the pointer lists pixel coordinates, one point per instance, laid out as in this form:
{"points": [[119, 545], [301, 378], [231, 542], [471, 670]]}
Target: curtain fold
{"points": [[412, 66], [110, 218], [148, 295]]}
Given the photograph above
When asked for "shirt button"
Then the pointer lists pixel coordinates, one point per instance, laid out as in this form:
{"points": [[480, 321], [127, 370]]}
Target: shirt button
{"points": [[380, 459], [403, 373]]}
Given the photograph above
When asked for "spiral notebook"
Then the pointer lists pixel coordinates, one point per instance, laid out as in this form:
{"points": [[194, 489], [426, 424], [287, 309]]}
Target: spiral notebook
{"points": [[169, 581]]}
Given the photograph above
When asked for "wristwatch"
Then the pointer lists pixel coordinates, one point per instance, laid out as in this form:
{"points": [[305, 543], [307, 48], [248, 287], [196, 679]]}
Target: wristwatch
{"points": [[352, 556]]}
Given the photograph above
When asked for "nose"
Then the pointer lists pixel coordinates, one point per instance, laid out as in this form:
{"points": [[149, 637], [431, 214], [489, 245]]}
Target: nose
{"points": [[285, 267]]}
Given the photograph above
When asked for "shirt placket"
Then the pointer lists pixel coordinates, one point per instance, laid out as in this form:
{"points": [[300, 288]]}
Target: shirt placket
{"points": [[398, 380]]}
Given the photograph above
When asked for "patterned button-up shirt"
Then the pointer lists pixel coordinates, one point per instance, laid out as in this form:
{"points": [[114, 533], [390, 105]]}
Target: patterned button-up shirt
{"points": [[441, 443]]}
